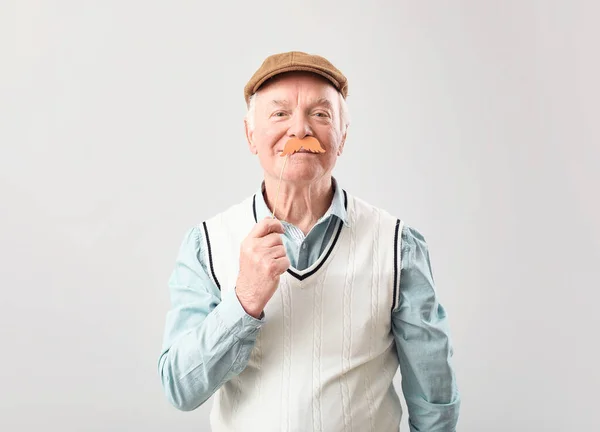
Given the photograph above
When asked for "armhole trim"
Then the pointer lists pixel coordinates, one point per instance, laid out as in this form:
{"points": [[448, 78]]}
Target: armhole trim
{"points": [[397, 263], [210, 258]]}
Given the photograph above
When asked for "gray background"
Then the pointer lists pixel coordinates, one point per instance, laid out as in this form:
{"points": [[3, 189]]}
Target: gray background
{"points": [[121, 127]]}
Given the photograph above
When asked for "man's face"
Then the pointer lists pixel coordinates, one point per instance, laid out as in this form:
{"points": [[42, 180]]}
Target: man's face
{"points": [[296, 105]]}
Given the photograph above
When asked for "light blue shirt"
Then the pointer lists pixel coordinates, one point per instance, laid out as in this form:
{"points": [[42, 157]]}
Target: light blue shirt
{"points": [[208, 337], [303, 250]]}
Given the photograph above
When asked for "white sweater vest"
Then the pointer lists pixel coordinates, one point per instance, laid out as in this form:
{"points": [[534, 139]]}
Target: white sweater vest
{"points": [[325, 358]]}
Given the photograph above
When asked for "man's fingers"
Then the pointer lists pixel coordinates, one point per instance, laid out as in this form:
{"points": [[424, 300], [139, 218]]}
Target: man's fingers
{"points": [[266, 226], [283, 263], [277, 252], [270, 240]]}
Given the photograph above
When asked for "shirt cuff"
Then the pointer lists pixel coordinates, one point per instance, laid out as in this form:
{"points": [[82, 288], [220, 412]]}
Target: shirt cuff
{"points": [[233, 316]]}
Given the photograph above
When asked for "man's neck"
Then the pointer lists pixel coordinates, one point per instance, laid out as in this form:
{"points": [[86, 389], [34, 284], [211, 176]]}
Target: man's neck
{"points": [[299, 204]]}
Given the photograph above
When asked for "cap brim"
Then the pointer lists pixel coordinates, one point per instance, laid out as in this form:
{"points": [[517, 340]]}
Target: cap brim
{"points": [[296, 68]]}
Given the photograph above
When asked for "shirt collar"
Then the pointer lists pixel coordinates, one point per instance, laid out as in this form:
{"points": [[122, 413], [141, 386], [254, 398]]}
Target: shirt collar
{"points": [[337, 207]]}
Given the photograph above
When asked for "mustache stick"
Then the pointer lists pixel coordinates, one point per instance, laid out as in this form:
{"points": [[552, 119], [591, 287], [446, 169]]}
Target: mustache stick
{"points": [[293, 145], [279, 184]]}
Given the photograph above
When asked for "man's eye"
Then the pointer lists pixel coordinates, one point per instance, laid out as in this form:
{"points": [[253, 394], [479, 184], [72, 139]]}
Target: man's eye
{"points": [[321, 114], [279, 114]]}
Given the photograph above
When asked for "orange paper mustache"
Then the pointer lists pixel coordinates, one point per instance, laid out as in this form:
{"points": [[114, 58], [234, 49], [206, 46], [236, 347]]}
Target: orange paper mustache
{"points": [[309, 143]]}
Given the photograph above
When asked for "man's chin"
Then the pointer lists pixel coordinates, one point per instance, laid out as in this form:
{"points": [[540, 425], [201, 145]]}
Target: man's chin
{"points": [[300, 174]]}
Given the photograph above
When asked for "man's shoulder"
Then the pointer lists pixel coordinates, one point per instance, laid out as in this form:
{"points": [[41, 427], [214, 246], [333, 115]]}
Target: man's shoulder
{"points": [[367, 212], [233, 221], [363, 209]]}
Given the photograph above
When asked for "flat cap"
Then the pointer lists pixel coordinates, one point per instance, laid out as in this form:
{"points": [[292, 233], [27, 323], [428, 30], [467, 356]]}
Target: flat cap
{"points": [[295, 61]]}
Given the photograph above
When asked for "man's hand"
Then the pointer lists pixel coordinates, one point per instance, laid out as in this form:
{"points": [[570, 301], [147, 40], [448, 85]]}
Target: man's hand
{"points": [[263, 260]]}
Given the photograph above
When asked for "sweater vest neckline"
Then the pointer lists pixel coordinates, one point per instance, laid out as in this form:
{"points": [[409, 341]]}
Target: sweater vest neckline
{"points": [[301, 275]]}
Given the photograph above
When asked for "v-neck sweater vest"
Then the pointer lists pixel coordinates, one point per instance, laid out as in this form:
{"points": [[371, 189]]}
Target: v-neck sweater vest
{"points": [[325, 358]]}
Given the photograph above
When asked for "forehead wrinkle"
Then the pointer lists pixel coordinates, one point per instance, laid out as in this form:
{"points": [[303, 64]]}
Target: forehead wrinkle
{"points": [[313, 102], [279, 102], [323, 101]]}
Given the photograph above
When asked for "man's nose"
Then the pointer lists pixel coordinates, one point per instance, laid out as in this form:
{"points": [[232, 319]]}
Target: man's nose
{"points": [[300, 126]]}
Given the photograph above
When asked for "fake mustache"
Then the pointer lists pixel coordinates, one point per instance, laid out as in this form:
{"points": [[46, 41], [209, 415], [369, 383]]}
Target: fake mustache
{"points": [[309, 143]]}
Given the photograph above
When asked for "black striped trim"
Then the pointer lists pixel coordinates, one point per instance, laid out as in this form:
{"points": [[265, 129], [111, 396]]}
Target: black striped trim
{"points": [[316, 269], [395, 263], [212, 269], [337, 235]]}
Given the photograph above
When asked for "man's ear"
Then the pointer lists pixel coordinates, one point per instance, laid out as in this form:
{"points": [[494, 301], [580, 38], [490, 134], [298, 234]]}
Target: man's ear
{"points": [[250, 138]]}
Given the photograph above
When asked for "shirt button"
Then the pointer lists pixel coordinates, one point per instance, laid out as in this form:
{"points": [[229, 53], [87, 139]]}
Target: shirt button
{"points": [[303, 245]]}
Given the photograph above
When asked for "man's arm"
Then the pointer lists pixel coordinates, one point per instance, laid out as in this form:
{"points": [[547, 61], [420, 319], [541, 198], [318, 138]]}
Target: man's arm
{"points": [[422, 335], [207, 339]]}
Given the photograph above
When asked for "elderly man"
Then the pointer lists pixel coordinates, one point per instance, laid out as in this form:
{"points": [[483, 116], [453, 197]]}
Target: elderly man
{"points": [[299, 322]]}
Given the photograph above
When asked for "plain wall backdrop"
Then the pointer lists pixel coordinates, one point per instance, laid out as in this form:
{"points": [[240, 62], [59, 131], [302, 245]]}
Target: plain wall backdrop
{"points": [[121, 126]]}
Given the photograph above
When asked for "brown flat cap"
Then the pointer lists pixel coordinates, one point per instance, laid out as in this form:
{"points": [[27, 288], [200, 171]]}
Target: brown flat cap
{"points": [[295, 61]]}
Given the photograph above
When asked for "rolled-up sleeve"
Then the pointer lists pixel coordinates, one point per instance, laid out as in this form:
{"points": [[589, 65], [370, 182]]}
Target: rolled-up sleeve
{"points": [[208, 337], [422, 334]]}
